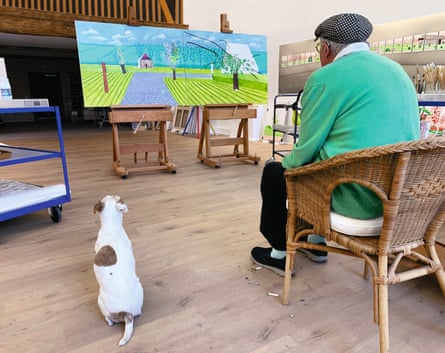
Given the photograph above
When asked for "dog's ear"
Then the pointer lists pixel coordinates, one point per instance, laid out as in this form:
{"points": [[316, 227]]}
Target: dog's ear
{"points": [[98, 207], [121, 206]]}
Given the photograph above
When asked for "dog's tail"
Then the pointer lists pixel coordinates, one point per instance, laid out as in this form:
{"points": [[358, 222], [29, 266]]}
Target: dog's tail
{"points": [[128, 331]]}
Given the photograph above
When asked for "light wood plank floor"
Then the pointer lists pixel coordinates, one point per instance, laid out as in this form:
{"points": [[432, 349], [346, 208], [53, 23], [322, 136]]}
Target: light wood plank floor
{"points": [[192, 233]]}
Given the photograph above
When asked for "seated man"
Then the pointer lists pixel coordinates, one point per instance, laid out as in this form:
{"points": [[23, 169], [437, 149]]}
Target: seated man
{"points": [[357, 99]]}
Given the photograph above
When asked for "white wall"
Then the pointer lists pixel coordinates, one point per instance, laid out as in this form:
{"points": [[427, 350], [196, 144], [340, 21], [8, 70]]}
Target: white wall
{"points": [[288, 21]]}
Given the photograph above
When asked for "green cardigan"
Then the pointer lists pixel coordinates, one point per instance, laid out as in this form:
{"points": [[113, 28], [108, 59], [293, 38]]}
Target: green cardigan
{"points": [[360, 100]]}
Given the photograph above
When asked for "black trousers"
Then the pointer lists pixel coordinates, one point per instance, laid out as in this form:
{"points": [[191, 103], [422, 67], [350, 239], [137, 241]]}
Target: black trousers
{"points": [[274, 205]]}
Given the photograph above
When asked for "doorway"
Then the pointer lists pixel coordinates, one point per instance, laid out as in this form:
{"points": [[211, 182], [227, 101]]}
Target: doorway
{"points": [[46, 85]]}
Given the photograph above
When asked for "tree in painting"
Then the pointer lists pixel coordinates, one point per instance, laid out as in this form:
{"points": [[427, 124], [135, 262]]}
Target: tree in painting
{"points": [[121, 59], [173, 55], [229, 63], [233, 64]]}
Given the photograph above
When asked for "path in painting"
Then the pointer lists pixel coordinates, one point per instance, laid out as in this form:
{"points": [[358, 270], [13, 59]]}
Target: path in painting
{"points": [[149, 88]]}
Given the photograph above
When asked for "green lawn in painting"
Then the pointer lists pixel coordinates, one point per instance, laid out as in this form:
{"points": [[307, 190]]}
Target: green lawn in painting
{"points": [[185, 91], [93, 85], [195, 92], [95, 94]]}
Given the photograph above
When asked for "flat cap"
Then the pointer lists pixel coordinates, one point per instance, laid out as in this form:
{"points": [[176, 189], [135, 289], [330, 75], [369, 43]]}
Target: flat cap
{"points": [[344, 28]]}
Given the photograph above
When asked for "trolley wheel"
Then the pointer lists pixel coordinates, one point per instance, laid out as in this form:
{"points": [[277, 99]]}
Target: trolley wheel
{"points": [[55, 213]]}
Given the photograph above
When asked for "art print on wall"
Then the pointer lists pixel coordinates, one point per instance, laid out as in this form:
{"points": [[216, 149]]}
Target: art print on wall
{"points": [[122, 64]]}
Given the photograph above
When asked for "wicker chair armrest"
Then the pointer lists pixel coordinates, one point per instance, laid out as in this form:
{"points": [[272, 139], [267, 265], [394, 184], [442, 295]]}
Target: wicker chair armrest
{"points": [[366, 153]]}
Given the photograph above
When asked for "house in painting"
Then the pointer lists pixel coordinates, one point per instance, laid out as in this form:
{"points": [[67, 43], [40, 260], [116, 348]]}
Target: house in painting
{"points": [[145, 62]]}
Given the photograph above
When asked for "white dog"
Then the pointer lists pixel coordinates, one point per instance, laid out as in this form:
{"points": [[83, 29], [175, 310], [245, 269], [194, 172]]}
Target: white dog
{"points": [[120, 294]]}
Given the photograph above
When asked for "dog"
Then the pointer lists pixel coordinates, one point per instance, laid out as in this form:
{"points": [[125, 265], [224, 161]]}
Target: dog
{"points": [[121, 294]]}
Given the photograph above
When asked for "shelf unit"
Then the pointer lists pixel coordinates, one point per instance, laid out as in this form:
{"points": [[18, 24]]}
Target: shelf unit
{"points": [[431, 103], [286, 108], [17, 198]]}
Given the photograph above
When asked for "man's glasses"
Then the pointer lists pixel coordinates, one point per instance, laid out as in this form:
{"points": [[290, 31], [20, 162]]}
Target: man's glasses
{"points": [[318, 46]]}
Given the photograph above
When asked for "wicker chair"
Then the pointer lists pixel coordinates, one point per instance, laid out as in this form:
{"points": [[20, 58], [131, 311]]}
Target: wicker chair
{"points": [[409, 178]]}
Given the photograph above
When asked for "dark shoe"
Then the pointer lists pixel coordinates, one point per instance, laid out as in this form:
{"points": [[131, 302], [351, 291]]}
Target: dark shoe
{"points": [[314, 255], [261, 256]]}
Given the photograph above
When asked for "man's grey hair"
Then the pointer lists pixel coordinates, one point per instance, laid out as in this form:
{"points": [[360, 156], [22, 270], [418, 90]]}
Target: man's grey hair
{"points": [[335, 47]]}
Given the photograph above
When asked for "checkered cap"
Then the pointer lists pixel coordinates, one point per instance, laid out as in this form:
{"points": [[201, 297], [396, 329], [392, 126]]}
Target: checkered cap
{"points": [[344, 28]]}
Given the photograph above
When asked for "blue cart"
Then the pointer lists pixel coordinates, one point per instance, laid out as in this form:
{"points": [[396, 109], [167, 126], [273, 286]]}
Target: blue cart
{"points": [[18, 198]]}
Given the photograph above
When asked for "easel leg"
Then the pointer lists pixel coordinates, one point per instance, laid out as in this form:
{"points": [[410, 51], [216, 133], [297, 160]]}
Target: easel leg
{"points": [[205, 139], [116, 152], [163, 155], [238, 135], [246, 136], [206, 131], [201, 139], [243, 133], [123, 172]]}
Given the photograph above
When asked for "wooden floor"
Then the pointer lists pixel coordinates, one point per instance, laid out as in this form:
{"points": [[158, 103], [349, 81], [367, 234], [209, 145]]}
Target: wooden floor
{"points": [[192, 233]]}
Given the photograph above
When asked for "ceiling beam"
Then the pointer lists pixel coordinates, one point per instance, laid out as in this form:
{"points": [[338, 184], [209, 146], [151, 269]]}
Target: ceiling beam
{"points": [[52, 24]]}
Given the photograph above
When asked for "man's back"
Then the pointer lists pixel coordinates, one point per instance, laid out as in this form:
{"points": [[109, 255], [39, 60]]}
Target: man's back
{"points": [[360, 100], [371, 102]]}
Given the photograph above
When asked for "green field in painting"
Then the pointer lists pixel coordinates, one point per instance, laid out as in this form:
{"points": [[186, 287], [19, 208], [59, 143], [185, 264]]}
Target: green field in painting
{"points": [[94, 94], [197, 92], [190, 91]]}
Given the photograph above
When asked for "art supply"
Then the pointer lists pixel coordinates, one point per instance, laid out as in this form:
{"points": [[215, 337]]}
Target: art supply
{"points": [[5, 87]]}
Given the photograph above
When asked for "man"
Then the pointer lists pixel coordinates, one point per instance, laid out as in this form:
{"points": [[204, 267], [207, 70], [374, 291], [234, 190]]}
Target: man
{"points": [[357, 99]]}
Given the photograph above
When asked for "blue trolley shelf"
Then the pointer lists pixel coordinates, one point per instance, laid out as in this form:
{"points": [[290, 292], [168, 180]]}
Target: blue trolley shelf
{"points": [[30, 198]]}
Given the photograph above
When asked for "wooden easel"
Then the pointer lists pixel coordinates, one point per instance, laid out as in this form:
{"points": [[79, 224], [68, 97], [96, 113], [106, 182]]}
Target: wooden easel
{"points": [[141, 114], [226, 112]]}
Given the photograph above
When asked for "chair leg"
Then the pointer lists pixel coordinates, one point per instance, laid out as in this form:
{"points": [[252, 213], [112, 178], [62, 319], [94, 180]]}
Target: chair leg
{"points": [[365, 270], [383, 299], [440, 274], [375, 300], [383, 318], [287, 277]]}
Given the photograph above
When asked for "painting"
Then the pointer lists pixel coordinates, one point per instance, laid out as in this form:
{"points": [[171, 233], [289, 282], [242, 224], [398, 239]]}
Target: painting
{"points": [[121, 64]]}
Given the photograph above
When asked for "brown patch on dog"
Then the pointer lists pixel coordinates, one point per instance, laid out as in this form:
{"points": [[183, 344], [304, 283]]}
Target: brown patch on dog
{"points": [[98, 207], [121, 316], [106, 256], [120, 201]]}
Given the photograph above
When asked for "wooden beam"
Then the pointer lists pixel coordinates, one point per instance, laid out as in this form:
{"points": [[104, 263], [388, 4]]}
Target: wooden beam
{"points": [[33, 22], [43, 23], [166, 12]]}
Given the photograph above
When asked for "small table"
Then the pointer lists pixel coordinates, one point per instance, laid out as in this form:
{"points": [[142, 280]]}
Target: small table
{"points": [[141, 114], [244, 112]]}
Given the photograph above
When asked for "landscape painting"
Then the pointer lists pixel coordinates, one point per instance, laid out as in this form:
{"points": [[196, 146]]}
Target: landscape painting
{"points": [[123, 64]]}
